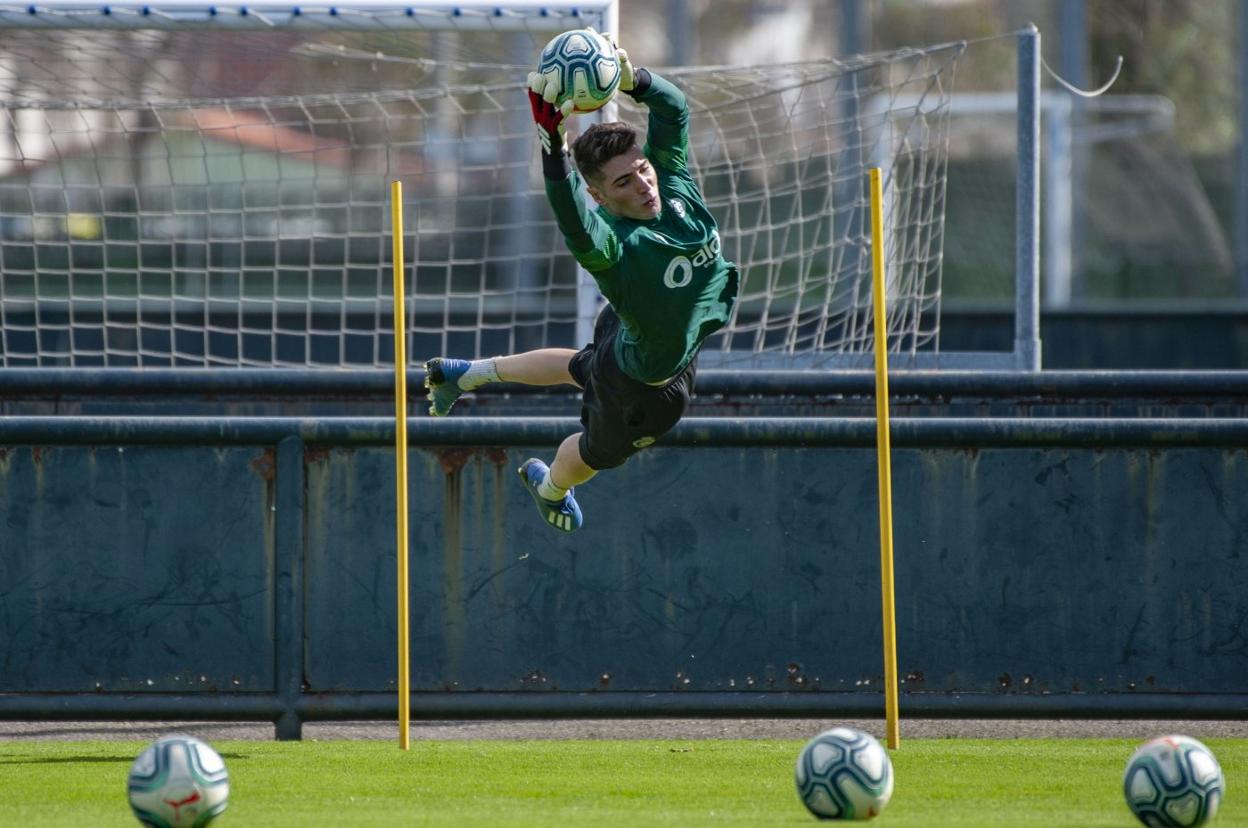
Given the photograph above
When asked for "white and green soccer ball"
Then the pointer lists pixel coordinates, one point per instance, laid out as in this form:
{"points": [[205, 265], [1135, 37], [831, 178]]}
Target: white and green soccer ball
{"points": [[584, 66], [1173, 781], [178, 781], [844, 773]]}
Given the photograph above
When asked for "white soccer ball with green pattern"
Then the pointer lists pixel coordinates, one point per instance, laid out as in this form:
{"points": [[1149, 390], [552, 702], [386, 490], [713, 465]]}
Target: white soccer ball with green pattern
{"points": [[844, 773], [178, 782], [584, 67], [1173, 782]]}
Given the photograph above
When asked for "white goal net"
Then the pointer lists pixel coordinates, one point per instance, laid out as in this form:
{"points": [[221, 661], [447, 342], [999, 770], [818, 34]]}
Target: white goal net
{"points": [[210, 189]]}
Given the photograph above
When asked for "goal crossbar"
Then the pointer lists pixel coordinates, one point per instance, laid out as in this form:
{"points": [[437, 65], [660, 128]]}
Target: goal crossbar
{"points": [[516, 15]]}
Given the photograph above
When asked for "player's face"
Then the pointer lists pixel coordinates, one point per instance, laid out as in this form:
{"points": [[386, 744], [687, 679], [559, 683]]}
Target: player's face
{"points": [[628, 187]]}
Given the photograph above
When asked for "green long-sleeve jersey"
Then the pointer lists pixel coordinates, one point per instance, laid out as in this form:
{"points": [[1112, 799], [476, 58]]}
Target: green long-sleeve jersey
{"points": [[665, 277]]}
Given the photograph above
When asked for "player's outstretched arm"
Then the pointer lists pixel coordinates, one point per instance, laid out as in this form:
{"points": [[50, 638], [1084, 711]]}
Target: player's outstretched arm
{"points": [[587, 236]]}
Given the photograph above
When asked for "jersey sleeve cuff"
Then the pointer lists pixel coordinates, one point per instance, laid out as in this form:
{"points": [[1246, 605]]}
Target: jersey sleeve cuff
{"points": [[641, 83], [555, 165]]}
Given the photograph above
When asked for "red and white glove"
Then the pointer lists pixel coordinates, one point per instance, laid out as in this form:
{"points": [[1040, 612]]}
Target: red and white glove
{"points": [[548, 117]]}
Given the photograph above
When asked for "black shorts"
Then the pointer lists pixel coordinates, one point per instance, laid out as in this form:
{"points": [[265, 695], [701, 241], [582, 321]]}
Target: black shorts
{"points": [[621, 416]]}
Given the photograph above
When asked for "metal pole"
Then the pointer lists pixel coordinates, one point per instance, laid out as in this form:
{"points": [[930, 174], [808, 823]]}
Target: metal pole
{"points": [[587, 295], [1240, 230], [1073, 31], [879, 325], [854, 36], [402, 613], [1059, 195], [341, 705], [855, 28], [682, 33], [288, 629], [1027, 205]]}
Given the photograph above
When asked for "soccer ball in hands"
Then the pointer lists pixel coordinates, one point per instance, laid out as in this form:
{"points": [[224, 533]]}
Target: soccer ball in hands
{"points": [[844, 773], [584, 67], [1173, 781], [178, 781]]}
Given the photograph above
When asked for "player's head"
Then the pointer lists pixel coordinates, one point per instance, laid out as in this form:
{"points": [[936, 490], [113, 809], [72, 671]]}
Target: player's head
{"points": [[618, 175]]}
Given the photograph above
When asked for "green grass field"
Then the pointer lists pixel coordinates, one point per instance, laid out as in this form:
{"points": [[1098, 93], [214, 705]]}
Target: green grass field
{"points": [[940, 782]]}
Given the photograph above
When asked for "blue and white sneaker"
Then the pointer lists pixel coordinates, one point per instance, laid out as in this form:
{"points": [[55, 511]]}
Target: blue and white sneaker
{"points": [[564, 514], [442, 379]]}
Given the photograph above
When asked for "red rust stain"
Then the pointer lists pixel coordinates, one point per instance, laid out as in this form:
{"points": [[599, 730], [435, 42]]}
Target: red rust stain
{"points": [[36, 454], [453, 459], [265, 465], [315, 454]]}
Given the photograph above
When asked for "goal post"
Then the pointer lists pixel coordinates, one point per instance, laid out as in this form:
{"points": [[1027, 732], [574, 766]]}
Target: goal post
{"points": [[205, 185]]}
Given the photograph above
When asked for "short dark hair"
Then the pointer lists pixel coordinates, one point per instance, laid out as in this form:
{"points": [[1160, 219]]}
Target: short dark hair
{"points": [[599, 144]]}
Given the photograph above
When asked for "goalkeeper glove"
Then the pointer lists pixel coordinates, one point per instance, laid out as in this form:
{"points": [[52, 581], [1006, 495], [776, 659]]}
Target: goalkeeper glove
{"points": [[628, 75], [627, 79], [549, 118]]}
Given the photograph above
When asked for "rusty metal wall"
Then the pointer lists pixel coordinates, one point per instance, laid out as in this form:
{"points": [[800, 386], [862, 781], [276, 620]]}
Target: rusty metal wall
{"points": [[1018, 569], [136, 568], [1036, 561]]}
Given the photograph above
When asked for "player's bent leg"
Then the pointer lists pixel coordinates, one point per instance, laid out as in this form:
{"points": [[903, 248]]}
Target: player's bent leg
{"points": [[563, 514], [442, 377], [568, 468], [447, 379]]}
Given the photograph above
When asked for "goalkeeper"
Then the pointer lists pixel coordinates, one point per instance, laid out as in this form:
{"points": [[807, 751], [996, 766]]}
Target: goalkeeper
{"points": [[654, 250]]}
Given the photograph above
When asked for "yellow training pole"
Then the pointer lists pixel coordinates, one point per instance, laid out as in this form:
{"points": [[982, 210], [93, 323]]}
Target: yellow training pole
{"points": [[400, 459], [886, 475]]}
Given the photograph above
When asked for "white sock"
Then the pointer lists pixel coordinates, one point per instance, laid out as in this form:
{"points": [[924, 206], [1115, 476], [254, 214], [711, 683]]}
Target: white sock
{"points": [[478, 374], [549, 491]]}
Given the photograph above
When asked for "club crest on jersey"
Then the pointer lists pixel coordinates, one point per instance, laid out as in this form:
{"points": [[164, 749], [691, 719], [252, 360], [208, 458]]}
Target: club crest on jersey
{"points": [[678, 206]]}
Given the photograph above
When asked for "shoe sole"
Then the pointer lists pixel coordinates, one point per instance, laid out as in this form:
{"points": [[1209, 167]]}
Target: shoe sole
{"points": [[434, 373], [435, 376]]}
